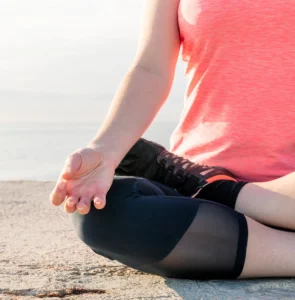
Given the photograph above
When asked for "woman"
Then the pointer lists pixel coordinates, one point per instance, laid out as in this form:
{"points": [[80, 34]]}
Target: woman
{"points": [[238, 115]]}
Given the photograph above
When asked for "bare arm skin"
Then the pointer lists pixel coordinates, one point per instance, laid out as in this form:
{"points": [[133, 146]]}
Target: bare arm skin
{"points": [[88, 172], [147, 84]]}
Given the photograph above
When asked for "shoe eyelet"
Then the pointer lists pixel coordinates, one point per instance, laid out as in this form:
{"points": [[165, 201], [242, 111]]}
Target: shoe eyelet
{"points": [[162, 165], [163, 162], [179, 177], [170, 169]]}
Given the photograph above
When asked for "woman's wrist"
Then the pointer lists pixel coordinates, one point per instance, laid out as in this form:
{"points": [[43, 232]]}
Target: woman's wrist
{"points": [[107, 151]]}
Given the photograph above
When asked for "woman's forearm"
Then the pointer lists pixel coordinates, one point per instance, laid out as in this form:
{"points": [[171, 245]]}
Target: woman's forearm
{"points": [[136, 103]]}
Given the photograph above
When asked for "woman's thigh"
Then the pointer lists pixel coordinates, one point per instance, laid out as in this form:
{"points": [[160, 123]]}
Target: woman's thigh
{"points": [[151, 227]]}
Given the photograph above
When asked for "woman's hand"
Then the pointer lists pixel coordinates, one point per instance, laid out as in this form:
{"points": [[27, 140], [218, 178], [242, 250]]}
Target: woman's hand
{"points": [[87, 176]]}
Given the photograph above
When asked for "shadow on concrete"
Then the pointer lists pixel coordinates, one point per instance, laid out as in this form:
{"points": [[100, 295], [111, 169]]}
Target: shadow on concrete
{"points": [[276, 289]]}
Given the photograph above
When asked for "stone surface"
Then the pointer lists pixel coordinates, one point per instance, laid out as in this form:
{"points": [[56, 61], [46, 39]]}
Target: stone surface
{"points": [[42, 258]]}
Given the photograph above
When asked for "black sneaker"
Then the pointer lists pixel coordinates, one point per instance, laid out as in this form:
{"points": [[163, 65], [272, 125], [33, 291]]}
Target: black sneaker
{"points": [[152, 161]]}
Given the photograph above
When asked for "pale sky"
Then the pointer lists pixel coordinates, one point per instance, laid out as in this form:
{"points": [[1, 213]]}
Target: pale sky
{"points": [[53, 54]]}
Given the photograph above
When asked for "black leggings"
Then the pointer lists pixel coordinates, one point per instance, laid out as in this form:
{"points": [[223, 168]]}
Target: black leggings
{"points": [[151, 227]]}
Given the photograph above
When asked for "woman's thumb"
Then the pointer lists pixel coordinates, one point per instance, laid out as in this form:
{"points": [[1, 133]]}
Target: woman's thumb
{"points": [[80, 163], [72, 166]]}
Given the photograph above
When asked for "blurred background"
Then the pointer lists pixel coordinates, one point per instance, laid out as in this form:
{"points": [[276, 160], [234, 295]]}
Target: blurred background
{"points": [[61, 62]]}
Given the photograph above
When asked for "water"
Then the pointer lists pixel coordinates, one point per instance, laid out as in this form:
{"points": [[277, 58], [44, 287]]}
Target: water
{"points": [[37, 151]]}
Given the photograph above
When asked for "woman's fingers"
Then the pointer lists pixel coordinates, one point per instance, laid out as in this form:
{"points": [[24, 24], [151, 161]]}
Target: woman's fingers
{"points": [[70, 204], [83, 206], [99, 202], [59, 193]]}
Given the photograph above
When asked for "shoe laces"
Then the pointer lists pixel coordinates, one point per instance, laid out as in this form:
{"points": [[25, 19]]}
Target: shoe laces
{"points": [[177, 166]]}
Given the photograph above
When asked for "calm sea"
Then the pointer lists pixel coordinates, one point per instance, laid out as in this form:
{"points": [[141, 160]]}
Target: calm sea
{"points": [[37, 151]]}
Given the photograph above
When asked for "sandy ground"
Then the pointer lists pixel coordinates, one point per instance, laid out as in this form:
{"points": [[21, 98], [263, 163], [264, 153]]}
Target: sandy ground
{"points": [[41, 257]]}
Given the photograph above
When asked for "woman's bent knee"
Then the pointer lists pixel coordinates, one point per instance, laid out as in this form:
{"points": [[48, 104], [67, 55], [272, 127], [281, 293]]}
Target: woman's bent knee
{"points": [[139, 224], [87, 226]]}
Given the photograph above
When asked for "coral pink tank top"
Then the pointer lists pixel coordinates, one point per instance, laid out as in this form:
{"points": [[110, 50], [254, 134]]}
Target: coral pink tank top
{"points": [[239, 110]]}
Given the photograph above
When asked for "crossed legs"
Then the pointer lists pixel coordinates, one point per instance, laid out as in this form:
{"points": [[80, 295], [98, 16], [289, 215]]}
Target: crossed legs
{"points": [[153, 228]]}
